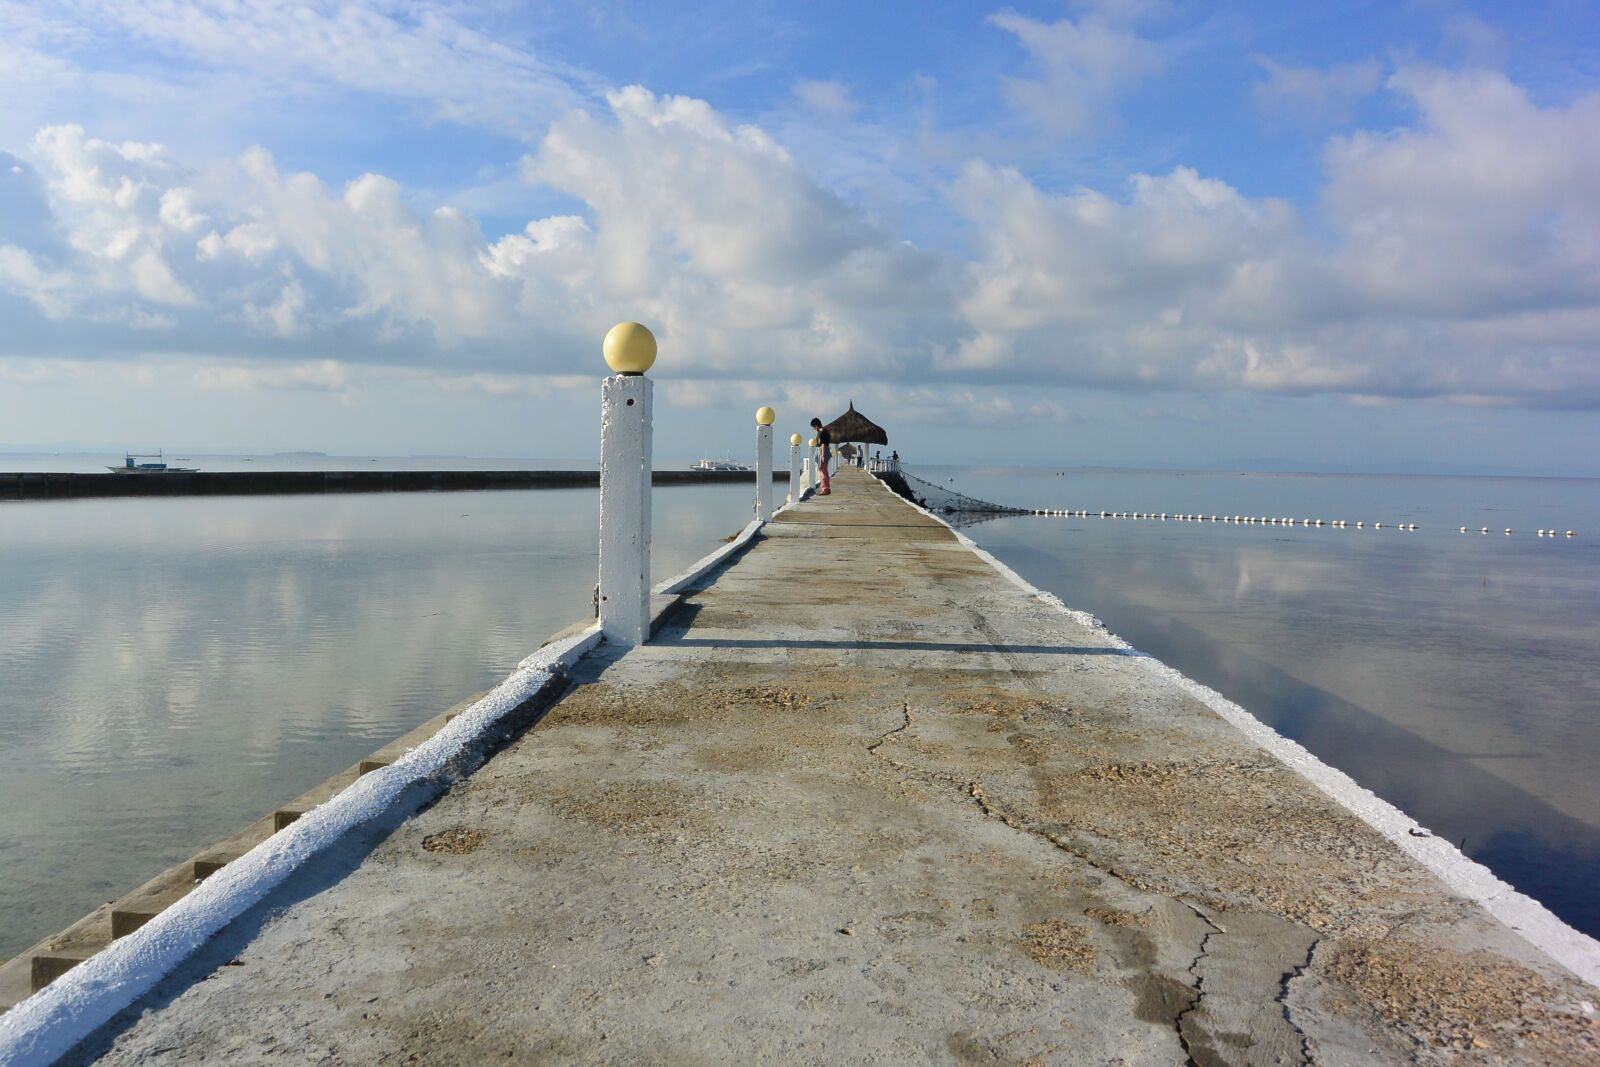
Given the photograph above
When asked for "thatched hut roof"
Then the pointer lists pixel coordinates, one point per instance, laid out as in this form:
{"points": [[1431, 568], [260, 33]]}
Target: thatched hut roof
{"points": [[854, 426]]}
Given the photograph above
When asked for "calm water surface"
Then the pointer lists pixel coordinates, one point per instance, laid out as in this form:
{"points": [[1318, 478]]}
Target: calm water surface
{"points": [[1457, 675], [172, 669]]}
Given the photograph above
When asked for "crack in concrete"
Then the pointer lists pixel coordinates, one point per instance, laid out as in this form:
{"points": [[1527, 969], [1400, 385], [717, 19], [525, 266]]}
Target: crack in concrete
{"points": [[883, 739], [974, 789], [1198, 985], [1283, 999]]}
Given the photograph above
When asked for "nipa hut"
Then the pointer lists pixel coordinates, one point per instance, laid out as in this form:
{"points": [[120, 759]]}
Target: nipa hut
{"points": [[855, 428]]}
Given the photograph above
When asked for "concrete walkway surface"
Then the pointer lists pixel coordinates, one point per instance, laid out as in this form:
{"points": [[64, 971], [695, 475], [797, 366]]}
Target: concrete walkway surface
{"points": [[863, 800]]}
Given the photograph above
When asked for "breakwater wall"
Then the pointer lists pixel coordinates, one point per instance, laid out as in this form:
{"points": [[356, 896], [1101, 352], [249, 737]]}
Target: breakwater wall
{"points": [[33, 485]]}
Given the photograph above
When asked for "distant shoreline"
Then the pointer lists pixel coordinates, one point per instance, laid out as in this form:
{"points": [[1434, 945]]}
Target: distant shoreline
{"points": [[43, 485]]}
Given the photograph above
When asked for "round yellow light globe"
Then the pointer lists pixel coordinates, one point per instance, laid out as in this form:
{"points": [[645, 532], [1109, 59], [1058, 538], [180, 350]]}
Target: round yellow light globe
{"points": [[813, 442], [766, 416], [794, 439], [629, 348]]}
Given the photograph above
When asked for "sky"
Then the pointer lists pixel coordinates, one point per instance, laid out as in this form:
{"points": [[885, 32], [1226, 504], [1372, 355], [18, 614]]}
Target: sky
{"points": [[1349, 236]]}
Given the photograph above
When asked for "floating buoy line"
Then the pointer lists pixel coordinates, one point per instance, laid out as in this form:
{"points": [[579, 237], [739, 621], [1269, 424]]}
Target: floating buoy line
{"points": [[1257, 520], [942, 498], [1238, 520]]}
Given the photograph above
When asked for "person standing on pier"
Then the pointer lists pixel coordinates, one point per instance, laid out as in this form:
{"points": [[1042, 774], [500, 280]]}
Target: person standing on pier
{"points": [[824, 442]]}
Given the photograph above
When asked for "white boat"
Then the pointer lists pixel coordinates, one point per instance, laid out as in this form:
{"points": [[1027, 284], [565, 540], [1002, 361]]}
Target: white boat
{"points": [[136, 463], [718, 465]]}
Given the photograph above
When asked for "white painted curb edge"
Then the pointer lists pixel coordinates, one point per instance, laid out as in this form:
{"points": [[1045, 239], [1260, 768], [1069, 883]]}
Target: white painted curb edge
{"points": [[1576, 951], [47, 1024]]}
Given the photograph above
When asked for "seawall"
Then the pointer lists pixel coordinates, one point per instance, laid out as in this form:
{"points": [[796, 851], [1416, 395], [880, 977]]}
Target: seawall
{"points": [[28, 485]]}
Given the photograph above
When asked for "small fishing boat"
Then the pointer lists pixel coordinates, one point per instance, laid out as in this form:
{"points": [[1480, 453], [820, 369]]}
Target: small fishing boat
{"points": [[148, 463]]}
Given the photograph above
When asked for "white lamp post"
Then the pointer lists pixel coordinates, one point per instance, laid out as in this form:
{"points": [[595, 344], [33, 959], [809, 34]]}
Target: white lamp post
{"points": [[794, 468], [625, 447], [765, 417]]}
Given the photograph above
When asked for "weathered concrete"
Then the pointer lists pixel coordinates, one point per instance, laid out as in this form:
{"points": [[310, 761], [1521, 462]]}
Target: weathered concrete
{"points": [[862, 800]]}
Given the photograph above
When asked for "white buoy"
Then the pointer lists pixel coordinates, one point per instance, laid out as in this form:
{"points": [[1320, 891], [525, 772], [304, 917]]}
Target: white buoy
{"points": [[1484, 530], [1361, 525], [1541, 532], [1508, 531], [1569, 533]]}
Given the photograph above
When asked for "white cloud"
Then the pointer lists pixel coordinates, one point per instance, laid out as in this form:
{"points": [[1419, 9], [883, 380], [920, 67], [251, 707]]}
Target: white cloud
{"points": [[1315, 94], [22, 274], [1486, 207], [443, 56], [177, 210], [829, 99], [1464, 261], [323, 375], [1458, 257], [114, 200], [1081, 64], [745, 260]]}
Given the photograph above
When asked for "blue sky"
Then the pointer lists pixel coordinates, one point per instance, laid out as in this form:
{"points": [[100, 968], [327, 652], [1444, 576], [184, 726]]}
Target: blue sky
{"points": [[1358, 236]]}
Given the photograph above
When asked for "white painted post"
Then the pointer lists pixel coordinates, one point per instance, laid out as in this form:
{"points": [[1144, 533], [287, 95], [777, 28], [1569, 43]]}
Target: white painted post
{"points": [[794, 469], [625, 456], [764, 419]]}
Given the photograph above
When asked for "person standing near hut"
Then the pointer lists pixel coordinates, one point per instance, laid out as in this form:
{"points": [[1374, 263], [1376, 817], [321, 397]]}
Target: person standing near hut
{"points": [[825, 442]]}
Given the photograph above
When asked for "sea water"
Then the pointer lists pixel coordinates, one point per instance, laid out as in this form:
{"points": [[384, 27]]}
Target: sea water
{"points": [[1455, 674], [173, 669]]}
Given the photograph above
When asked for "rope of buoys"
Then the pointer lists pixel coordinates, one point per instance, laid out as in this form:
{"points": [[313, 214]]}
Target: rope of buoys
{"points": [[1263, 520]]}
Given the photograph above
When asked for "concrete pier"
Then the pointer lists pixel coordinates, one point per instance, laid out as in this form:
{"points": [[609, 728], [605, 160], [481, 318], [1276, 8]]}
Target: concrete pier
{"points": [[863, 799]]}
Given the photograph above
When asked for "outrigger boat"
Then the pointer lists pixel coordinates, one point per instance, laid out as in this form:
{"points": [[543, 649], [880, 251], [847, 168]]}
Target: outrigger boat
{"points": [[131, 464]]}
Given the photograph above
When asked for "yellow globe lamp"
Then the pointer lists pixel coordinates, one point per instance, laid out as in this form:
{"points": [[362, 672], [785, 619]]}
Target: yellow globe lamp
{"points": [[794, 439], [629, 348], [766, 416], [813, 442]]}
